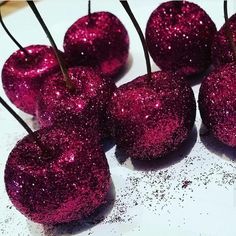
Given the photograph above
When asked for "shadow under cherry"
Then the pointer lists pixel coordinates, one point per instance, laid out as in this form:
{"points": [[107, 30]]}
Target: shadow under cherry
{"points": [[215, 146]]}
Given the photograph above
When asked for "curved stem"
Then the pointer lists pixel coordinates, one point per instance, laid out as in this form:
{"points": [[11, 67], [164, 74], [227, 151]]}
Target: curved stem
{"points": [[68, 82], [228, 31], [11, 36], [126, 6]]}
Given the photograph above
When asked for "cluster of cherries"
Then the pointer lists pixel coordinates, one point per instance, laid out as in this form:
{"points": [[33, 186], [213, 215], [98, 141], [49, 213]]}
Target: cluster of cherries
{"points": [[60, 173]]}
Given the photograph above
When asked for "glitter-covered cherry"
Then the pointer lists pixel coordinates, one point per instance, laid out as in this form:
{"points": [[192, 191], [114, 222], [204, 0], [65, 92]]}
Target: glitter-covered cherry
{"points": [[222, 50], [83, 105], [23, 75], [179, 36], [217, 103], [99, 40], [64, 185], [148, 122]]}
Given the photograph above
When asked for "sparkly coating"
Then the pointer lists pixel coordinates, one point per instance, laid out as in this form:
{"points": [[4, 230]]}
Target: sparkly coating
{"points": [[22, 76], [84, 105], [222, 52], [179, 35], [217, 103], [99, 41], [67, 185], [149, 120]]}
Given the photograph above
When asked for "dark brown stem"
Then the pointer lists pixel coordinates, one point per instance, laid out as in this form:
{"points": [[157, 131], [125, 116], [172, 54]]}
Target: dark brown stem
{"points": [[228, 30], [141, 36], [68, 82], [11, 36], [89, 8], [89, 12], [45, 151]]}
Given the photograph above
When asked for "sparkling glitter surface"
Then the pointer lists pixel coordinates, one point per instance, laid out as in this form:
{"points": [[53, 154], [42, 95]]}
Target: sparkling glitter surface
{"points": [[179, 35], [66, 185], [149, 120], [22, 76], [84, 105], [217, 103], [222, 52], [99, 41]]}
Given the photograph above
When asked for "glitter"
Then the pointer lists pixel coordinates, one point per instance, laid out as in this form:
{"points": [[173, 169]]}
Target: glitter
{"points": [[22, 77], [69, 189], [83, 107], [218, 111], [143, 130], [100, 41], [221, 48], [167, 28]]}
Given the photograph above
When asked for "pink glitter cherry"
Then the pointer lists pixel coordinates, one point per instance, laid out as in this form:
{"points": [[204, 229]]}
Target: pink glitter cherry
{"points": [[98, 40], [84, 105], [148, 122], [222, 51], [66, 185], [179, 35], [23, 75], [217, 103]]}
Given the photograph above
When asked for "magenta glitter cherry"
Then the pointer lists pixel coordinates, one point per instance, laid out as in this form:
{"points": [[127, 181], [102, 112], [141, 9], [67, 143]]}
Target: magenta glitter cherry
{"points": [[25, 71], [148, 122], [153, 114], [223, 46], [67, 185], [84, 105], [217, 103], [217, 95], [23, 75], [179, 35], [98, 40]]}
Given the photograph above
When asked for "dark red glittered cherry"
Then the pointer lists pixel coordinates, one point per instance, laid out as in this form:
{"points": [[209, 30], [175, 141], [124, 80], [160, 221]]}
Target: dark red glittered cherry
{"points": [[83, 105], [99, 40], [66, 185], [217, 103], [222, 51], [179, 35], [23, 75], [148, 122]]}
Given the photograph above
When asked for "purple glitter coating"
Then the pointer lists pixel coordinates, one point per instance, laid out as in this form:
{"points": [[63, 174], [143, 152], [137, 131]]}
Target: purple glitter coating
{"points": [[84, 105], [100, 41], [222, 52], [23, 76], [150, 119], [217, 103], [179, 35], [66, 185]]}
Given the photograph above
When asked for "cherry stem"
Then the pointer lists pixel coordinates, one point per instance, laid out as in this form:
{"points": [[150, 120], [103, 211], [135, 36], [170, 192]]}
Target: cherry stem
{"points": [[89, 8], [11, 36], [89, 12], [68, 82], [45, 151], [228, 31], [126, 6]]}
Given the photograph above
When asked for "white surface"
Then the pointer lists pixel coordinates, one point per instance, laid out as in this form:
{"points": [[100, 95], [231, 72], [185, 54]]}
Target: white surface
{"points": [[147, 201]]}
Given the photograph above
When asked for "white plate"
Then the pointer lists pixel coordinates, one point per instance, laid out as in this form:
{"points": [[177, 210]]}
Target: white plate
{"points": [[191, 192]]}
